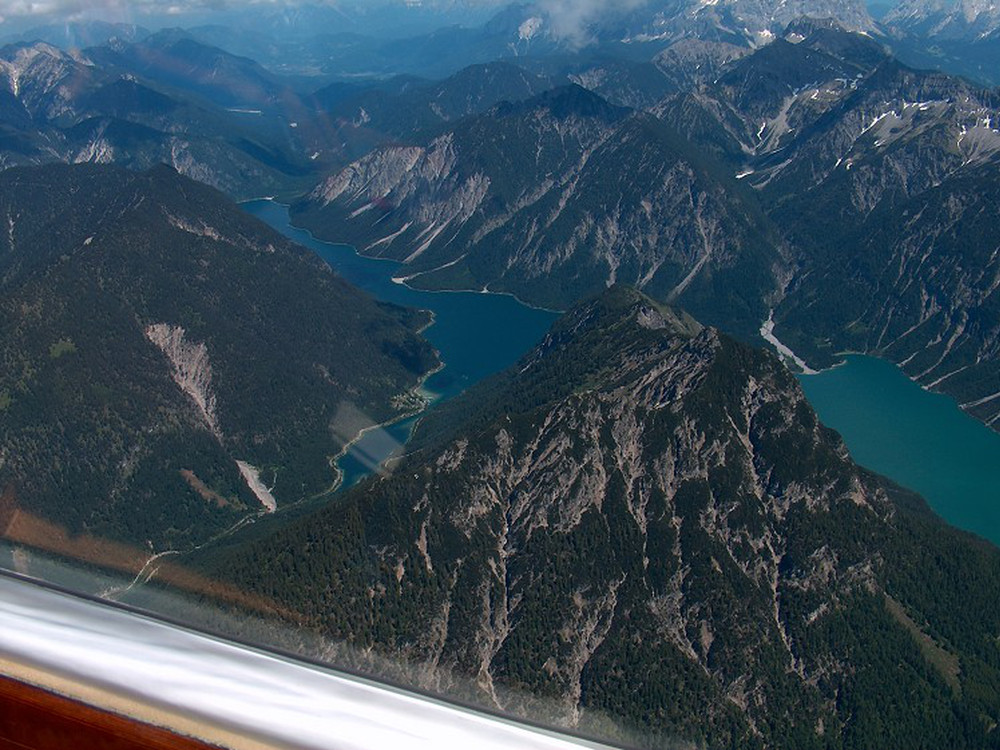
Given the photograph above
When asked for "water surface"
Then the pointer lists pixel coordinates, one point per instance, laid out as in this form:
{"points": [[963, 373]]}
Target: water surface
{"points": [[921, 440], [476, 334], [891, 425]]}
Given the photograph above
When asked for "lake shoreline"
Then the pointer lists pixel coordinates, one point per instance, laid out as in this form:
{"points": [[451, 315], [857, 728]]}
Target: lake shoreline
{"points": [[401, 280], [916, 437], [475, 334], [478, 334], [419, 390]]}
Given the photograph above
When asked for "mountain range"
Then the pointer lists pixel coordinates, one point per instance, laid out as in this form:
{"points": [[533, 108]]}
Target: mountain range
{"points": [[121, 103], [770, 185], [966, 20], [641, 531], [562, 186], [643, 527]]}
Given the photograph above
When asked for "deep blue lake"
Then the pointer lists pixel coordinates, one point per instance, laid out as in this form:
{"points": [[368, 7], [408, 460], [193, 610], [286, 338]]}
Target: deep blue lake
{"points": [[891, 425], [921, 440], [476, 334]]}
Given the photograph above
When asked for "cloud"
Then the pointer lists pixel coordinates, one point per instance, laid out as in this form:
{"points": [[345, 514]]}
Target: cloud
{"points": [[574, 20], [15, 8], [564, 12], [70, 9]]}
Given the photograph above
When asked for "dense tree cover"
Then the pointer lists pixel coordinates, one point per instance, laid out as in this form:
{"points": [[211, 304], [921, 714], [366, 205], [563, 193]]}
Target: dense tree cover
{"points": [[95, 432], [936, 324], [663, 540]]}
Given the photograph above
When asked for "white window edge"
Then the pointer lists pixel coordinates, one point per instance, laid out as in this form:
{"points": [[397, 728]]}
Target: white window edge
{"points": [[224, 693]]}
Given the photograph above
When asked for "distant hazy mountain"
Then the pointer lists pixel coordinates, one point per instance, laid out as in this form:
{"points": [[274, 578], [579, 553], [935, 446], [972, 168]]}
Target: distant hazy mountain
{"points": [[958, 36], [627, 83], [331, 41], [173, 58], [77, 35], [216, 117], [743, 22], [644, 524], [154, 336], [113, 104], [406, 108], [946, 19], [288, 23], [306, 41]]}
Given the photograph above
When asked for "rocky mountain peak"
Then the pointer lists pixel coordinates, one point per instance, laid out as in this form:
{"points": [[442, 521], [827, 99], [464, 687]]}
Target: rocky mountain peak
{"points": [[31, 70], [565, 102], [622, 306], [642, 502]]}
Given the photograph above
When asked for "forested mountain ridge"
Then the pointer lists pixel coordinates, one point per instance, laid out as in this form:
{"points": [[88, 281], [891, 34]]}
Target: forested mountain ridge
{"points": [[553, 199], [644, 519], [880, 179], [641, 531], [770, 184], [161, 349]]}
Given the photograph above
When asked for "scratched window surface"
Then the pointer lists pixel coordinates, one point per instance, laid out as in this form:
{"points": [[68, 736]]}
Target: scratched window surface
{"points": [[629, 369]]}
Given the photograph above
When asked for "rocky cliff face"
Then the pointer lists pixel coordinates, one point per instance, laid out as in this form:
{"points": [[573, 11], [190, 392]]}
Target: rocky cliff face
{"points": [[644, 518], [192, 370], [562, 187], [899, 133], [820, 103], [879, 178], [919, 288], [44, 79]]}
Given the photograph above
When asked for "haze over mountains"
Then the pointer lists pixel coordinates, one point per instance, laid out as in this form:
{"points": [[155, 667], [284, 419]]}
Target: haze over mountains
{"points": [[128, 104], [642, 526], [438, 38]]}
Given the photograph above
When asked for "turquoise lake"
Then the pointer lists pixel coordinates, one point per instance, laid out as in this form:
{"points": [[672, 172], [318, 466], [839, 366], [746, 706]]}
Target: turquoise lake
{"points": [[891, 425], [476, 334], [921, 440]]}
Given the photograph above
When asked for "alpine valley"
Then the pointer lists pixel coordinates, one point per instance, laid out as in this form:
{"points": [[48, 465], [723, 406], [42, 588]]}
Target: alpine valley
{"points": [[641, 531], [815, 180]]}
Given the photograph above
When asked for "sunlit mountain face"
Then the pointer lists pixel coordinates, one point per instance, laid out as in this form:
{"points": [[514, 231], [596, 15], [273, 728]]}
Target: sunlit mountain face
{"points": [[258, 375]]}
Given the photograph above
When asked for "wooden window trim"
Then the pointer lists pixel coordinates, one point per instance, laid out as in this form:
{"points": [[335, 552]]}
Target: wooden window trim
{"points": [[35, 719]]}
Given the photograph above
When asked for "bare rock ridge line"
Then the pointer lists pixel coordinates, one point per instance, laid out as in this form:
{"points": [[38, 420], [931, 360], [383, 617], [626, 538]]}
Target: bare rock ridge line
{"points": [[585, 191], [192, 371], [190, 368]]}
